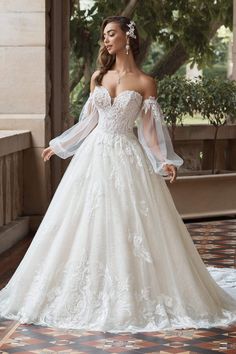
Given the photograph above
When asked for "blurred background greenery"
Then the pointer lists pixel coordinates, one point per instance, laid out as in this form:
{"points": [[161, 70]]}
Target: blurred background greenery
{"points": [[175, 35]]}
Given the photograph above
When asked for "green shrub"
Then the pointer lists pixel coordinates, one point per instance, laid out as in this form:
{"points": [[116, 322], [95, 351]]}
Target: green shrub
{"points": [[213, 98], [176, 96]]}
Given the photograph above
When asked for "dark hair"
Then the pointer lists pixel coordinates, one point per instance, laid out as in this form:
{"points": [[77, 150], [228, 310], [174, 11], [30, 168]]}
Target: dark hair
{"points": [[106, 60]]}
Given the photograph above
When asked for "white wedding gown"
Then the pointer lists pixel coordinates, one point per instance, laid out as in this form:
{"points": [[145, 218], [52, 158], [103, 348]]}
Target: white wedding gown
{"points": [[112, 253]]}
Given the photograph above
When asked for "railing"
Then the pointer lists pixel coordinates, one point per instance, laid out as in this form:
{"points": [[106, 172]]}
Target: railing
{"points": [[12, 224]]}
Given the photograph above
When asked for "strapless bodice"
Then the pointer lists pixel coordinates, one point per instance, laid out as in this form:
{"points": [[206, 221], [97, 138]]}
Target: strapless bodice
{"points": [[117, 114]]}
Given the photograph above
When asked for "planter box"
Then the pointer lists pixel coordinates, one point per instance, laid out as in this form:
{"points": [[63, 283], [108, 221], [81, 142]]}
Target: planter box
{"points": [[205, 196], [195, 144]]}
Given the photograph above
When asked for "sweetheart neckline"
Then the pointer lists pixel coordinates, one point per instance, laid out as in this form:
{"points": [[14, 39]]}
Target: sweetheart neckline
{"points": [[119, 94]]}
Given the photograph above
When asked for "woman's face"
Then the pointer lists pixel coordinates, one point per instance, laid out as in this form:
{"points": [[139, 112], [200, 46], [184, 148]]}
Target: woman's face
{"points": [[114, 38]]}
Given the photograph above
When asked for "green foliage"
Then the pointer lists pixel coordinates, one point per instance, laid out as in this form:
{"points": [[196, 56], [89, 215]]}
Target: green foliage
{"points": [[220, 49], [161, 23], [217, 67], [218, 71], [177, 96], [189, 22], [217, 100], [214, 99], [166, 20], [156, 51]]}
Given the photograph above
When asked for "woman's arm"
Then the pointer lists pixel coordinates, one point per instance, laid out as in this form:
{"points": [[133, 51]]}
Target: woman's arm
{"points": [[66, 144], [154, 136]]}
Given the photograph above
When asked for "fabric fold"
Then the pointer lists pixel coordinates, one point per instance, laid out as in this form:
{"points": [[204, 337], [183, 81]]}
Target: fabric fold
{"points": [[66, 144], [154, 137]]}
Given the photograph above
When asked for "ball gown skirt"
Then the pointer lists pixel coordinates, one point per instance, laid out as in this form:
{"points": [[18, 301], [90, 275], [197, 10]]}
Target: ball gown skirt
{"points": [[112, 253]]}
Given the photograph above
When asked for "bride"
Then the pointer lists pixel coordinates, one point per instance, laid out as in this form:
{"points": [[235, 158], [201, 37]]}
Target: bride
{"points": [[112, 253]]}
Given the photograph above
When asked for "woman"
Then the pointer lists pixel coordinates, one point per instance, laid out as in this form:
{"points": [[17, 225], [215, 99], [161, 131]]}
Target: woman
{"points": [[112, 253]]}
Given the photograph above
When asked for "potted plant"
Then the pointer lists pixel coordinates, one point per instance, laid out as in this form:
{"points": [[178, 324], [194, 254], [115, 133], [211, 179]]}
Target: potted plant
{"points": [[201, 193], [217, 103], [176, 97]]}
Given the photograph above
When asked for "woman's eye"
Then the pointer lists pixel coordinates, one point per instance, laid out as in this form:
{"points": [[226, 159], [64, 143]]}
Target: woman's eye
{"points": [[109, 35]]}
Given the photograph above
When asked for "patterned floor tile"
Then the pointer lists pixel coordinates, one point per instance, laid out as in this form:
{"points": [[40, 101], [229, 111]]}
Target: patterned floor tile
{"points": [[36, 339], [216, 243]]}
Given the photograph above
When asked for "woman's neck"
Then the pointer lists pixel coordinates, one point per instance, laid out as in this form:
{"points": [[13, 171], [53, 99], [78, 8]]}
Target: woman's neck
{"points": [[124, 63]]}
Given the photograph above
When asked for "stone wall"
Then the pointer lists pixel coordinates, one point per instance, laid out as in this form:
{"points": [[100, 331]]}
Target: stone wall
{"points": [[234, 42], [34, 89], [23, 91]]}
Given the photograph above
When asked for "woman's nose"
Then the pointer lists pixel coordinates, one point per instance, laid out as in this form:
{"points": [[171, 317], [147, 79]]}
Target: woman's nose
{"points": [[106, 39]]}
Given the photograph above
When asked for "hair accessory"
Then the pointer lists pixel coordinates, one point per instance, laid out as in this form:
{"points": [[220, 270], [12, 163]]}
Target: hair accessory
{"points": [[130, 32]]}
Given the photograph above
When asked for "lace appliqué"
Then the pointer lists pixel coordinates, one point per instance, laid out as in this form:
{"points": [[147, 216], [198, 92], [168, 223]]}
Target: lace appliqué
{"points": [[85, 303], [116, 177], [143, 208], [116, 117], [138, 246], [93, 199], [125, 147], [90, 295], [152, 103]]}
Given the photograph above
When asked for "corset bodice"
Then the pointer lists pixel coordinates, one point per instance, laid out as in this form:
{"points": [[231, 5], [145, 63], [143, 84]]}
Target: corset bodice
{"points": [[117, 114]]}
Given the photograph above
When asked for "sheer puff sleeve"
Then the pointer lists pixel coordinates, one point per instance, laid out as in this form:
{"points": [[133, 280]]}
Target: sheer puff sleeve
{"points": [[154, 137], [66, 144]]}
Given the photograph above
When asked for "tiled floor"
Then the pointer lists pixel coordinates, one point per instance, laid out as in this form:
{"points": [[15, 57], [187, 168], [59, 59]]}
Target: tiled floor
{"points": [[216, 242], [32, 339]]}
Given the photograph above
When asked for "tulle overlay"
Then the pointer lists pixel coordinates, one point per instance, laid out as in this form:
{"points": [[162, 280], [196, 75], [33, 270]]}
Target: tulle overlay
{"points": [[112, 253]]}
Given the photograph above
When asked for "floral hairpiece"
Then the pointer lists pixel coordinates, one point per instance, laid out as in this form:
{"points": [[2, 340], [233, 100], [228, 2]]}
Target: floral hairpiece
{"points": [[130, 32]]}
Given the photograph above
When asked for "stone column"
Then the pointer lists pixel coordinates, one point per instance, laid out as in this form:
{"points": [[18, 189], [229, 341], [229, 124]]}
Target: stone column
{"points": [[59, 70], [234, 42], [23, 94], [32, 87]]}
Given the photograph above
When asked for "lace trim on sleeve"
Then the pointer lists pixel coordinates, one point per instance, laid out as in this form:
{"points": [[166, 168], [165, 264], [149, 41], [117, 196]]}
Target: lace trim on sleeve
{"points": [[66, 144], [154, 137]]}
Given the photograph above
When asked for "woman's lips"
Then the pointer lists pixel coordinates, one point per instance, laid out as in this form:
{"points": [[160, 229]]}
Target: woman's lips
{"points": [[108, 47]]}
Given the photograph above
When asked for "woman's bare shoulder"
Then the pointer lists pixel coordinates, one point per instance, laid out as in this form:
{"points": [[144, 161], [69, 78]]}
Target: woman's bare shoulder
{"points": [[93, 78], [149, 85], [95, 74]]}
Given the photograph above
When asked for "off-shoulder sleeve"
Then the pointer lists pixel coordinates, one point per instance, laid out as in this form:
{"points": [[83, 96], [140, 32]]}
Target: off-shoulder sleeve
{"points": [[66, 144], [154, 137]]}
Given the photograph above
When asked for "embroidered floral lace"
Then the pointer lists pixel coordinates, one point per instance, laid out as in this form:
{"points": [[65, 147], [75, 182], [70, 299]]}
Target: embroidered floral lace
{"points": [[112, 253]]}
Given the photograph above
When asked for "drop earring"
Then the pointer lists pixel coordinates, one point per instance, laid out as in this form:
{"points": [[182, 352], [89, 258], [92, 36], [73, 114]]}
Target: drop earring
{"points": [[127, 47]]}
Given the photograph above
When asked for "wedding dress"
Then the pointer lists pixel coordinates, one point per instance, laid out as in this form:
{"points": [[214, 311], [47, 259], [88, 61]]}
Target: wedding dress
{"points": [[112, 253]]}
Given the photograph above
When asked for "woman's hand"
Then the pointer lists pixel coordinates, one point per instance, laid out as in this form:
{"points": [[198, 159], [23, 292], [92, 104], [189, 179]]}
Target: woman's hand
{"points": [[172, 172], [47, 153]]}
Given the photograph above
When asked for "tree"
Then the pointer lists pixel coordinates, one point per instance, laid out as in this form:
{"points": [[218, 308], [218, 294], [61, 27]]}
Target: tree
{"points": [[213, 98], [217, 103], [182, 29]]}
